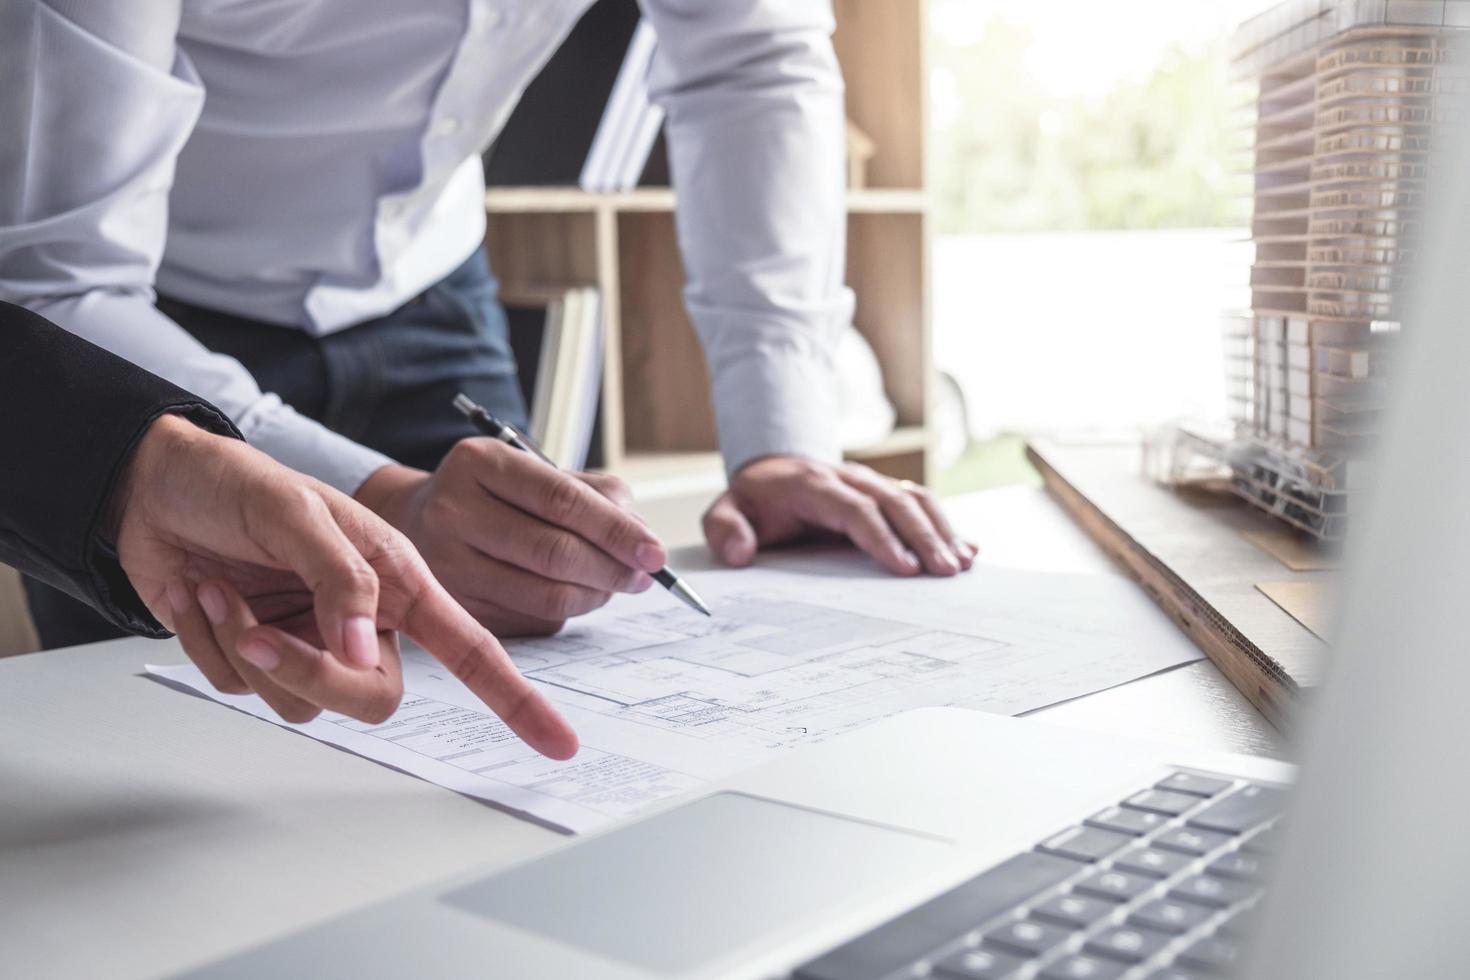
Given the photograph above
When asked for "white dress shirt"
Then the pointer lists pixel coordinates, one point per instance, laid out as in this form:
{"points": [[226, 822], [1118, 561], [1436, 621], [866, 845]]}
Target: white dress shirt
{"points": [[316, 163]]}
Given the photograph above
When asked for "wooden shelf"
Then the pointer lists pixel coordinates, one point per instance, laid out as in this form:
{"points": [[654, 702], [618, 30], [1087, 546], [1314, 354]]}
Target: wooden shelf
{"points": [[574, 200], [659, 474]]}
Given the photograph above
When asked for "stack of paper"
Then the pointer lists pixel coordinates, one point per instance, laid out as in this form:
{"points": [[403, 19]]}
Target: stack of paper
{"points": [[564, 344], [630, 124]]}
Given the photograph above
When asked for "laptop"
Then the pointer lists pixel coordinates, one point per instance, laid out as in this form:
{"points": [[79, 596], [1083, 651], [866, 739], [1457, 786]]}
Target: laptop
{"points": [[954, 844]]}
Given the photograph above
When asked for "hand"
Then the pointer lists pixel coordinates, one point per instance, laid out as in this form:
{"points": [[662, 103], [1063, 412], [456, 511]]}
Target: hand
{"points": [[782, 498], [279, 584], [523, 546]]}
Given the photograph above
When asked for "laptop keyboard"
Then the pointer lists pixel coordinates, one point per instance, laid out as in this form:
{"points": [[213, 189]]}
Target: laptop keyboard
{"points": [[1159, 887]]}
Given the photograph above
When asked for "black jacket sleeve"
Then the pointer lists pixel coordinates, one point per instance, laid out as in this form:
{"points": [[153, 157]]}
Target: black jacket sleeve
{"points": [[70, 415]]}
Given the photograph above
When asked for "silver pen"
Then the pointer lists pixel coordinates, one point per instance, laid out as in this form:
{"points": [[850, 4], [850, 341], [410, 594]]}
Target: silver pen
{"points": [[498, 429]]}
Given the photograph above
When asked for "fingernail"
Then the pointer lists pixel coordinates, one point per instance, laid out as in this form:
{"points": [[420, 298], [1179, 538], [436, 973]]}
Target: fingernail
{"points": [[261, 654], [178, 596], [650, 557], [642, 583], [909, 560], [360, 642], [947, 561], [213, 601]]}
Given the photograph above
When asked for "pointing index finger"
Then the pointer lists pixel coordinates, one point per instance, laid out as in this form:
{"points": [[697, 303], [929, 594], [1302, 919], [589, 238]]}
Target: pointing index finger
{"points": [[474, 656]]}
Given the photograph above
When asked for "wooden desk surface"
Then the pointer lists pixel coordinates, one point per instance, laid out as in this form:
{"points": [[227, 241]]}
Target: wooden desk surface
{"points": [[1188, 549], [144, 831]]}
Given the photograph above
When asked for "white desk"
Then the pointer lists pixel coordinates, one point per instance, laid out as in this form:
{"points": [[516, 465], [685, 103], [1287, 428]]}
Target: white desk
{"points": [[143, 831]]}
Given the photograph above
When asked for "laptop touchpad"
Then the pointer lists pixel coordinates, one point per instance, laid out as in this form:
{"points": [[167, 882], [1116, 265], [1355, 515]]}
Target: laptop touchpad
{"points": [[688, 887]]}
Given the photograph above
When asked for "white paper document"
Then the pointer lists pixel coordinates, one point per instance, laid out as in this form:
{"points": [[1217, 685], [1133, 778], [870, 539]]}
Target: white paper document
{"points": [[665, 699]]}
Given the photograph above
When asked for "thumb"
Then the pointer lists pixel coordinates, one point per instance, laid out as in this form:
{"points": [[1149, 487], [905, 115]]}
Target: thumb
{"points": [[302, 532], [729, 532]]}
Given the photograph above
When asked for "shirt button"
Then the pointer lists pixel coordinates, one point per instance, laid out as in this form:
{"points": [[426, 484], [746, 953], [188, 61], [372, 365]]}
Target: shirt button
{"points": [[447, 126]]}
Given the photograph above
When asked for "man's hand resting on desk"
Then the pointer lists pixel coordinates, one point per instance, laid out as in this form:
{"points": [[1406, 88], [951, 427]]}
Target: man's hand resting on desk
{"points": [[522, 545], [783, 498], [279, 584]]}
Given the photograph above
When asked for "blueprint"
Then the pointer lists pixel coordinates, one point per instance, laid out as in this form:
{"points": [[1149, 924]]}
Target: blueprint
{"points": [[665, 700]]}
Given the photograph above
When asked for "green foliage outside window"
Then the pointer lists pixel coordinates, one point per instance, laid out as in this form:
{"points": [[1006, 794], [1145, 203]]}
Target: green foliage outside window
{"points": [[1159, 150]]}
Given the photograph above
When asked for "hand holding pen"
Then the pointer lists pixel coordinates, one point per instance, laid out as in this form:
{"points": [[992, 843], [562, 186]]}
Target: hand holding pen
{"points": [[522, 546], [513, 437]]}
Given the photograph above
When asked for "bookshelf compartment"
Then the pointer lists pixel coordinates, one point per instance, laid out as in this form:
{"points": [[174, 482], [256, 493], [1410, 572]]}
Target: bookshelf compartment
{"points": [[537, 249], [665, 384], [666, 387], [886, 269]]}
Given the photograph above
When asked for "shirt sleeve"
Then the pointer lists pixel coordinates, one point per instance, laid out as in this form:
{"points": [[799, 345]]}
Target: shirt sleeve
{"points": [[96, 102], [756, 137], [75, 414]]}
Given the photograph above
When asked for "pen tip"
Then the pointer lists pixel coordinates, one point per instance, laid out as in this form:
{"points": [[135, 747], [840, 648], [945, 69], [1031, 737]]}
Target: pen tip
{"points": [[687, 596]]}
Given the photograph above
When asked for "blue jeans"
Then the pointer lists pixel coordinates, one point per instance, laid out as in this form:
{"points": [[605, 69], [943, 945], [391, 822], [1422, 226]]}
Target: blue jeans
{"points": [[386, 383]]}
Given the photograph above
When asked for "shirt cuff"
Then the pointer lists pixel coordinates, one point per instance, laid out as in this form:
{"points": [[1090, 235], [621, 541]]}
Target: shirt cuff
{"points": [[774, 380], [309, 447], [777, 402]]}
